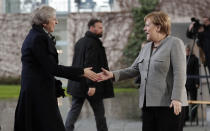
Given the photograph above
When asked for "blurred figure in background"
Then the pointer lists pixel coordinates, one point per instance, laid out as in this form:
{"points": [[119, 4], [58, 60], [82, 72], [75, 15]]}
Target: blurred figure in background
{"points": [[192, 84], [89, 51], [202, 33]]}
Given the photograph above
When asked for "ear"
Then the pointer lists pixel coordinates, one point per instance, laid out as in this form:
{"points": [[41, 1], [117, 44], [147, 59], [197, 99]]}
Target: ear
{"points": [[158, 28], [91, 28], [44, 25]]}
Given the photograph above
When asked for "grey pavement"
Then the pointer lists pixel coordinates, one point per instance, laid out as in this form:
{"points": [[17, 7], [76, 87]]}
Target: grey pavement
{"points": [[124, 125], [86, 121], [122, 114]]}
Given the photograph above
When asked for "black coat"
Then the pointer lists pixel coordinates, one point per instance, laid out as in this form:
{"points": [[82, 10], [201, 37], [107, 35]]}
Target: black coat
{"points": [[192, 70], [37, 108], [89, 52]]}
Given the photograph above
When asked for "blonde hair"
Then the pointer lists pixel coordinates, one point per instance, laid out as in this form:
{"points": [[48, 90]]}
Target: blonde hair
{"points": [[160, 19], [42, 15]]}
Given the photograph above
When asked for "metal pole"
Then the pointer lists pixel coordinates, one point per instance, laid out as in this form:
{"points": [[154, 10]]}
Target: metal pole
{"points": [[69, 6]]}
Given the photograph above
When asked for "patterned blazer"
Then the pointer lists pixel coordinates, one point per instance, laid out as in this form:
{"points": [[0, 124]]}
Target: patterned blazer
{"points": [[162, 71]]}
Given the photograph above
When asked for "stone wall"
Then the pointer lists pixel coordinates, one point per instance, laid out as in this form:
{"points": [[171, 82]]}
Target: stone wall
{"points": [[13, 30], [117, 28], [14, 27], [182, 10]]}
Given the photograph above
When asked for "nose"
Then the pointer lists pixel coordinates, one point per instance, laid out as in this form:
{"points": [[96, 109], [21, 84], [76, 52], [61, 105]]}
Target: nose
{"points": [[144, 29], [56, 22]]}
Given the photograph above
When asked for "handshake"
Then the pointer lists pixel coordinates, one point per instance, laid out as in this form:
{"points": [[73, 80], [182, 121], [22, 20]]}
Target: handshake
{"points": [[98, 77], [88, 73]]}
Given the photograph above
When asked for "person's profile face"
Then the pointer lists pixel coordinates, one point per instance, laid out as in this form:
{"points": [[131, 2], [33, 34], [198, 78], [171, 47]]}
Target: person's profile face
{"points": [[50, 27], [98, 29], [150, 29]]}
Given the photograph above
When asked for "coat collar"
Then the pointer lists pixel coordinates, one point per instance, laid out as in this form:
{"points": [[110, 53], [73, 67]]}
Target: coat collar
{"points": [[207, 27], [92, 35], [40, 29]]}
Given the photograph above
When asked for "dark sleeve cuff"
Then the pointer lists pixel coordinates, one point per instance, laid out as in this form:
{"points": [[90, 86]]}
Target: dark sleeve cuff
{"points": [[72, 73]]}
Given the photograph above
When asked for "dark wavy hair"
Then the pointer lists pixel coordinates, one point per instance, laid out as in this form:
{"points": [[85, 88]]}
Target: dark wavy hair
{"points": [[92, 22]]}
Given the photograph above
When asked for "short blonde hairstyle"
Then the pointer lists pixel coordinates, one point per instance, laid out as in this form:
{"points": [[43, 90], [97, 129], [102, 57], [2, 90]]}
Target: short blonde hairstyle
{"points": [[42, 15], [160, 19]]}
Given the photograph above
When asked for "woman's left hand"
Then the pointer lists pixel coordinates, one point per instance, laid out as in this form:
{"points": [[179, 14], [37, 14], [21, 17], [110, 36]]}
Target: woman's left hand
{"points": [[177, 106]]}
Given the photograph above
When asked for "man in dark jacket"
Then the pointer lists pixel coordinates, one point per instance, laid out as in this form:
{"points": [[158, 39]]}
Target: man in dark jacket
{"points": [[89, 51], [192, 84]]}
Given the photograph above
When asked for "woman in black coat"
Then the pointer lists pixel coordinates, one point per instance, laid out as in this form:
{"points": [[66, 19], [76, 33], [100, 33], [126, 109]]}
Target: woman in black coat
{"points": [[37, 108]]}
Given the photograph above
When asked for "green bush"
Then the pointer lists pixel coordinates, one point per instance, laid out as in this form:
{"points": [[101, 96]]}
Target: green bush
{"points": [[137, 37], [125, 84]]}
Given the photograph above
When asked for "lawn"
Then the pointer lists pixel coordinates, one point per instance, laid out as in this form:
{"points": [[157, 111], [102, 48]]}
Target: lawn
{"points": [[9, 91], [12, 91]]}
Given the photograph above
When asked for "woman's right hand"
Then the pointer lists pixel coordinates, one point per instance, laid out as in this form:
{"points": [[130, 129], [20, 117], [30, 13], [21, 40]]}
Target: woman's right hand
{"points": [[88, 73]]}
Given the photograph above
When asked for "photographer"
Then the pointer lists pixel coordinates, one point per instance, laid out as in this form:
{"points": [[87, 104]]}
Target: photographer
{"points": [[202, 33]]}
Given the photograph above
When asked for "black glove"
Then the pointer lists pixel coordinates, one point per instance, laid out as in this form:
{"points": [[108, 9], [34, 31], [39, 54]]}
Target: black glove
{"points": [[59, 90]]}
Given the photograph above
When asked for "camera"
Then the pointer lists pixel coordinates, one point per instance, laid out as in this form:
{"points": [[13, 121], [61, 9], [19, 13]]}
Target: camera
{"points": [[196, 25]]}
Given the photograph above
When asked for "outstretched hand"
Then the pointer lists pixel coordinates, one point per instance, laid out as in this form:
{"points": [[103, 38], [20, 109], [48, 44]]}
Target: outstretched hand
{"points": [[105, 75], [88, 73]]}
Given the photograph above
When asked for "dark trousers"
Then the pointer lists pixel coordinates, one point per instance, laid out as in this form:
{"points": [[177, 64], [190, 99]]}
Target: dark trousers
{"points": [[161, 119], [98, 109], [192, 95]]}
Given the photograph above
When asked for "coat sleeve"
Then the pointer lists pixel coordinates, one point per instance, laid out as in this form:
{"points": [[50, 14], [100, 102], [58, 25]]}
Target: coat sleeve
{"points": [[48, 63], [178, 61], [129, 72]]}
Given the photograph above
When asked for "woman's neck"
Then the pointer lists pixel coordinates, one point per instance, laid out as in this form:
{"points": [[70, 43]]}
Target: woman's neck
{"points": [[160, 37]]}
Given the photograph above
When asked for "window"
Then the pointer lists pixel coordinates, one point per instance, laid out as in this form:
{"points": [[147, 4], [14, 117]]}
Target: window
{"points": [[60, 5]]}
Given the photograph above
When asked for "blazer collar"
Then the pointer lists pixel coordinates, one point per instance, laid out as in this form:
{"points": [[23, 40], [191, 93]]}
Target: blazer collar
{"points": [[40, 29], [162, 42]]}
